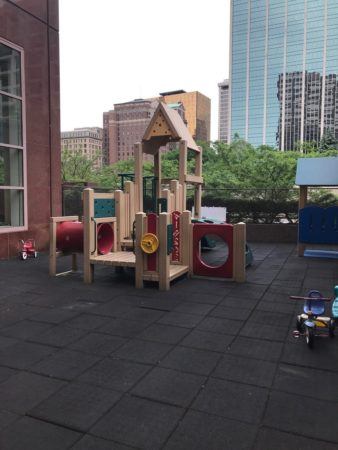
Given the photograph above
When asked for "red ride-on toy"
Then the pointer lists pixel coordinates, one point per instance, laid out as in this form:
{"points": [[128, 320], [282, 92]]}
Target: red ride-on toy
{"points": [[27, 249]]}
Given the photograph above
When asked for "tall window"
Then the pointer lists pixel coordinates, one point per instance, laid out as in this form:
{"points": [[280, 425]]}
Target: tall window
{"points": [[12, 140]]}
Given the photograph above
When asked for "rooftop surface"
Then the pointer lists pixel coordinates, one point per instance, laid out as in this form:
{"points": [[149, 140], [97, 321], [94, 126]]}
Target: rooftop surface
{"points": [[207, 365]]}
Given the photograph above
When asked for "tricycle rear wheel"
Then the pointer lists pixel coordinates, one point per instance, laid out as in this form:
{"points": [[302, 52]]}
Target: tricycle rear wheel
{"points": [[309, 337]]}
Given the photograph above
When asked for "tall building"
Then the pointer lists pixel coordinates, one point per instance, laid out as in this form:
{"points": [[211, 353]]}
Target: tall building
{"points": [[197, 111], [223, 111], [85, 141], [30, 181], [273, 41]]}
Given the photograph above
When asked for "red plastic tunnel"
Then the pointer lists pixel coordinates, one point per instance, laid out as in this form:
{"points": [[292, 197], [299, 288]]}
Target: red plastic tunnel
{"points": [[69, 237]]}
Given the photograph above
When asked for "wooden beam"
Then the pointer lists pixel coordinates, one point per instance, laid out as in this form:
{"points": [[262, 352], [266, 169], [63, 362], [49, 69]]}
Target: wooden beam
{"points": [[193, 179], [158, 173], [198, 201], [183, 156], [120, 218], [239, 252], [88, 234], [186, 239], [138, 158], [139, 256], [163, 257], [303, 191]]}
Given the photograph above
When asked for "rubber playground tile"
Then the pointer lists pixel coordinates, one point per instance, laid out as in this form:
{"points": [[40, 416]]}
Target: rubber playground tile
{"points": [[7, 342], [113, 308], [25, 329], [298, 414], [238, 302], [65, 364], [58, 336], [54, 315], [264, 331], [201, 309], [10, 314], [191, 360], [139, 422], [199, 431], [88, 322], [226, 312], [180, 319], [121, 327], [305, 381], [77, 406], [206, 340], [24, 354], [256, 348], [143, 351], [5, 373], [6, 418], [276, 307], [28, 433], [115, 374], [271, 318], [98, 344], [218, 325], [169, 386], [166, 334], [278, 440], [245, 370], [232, 400], [207, 298], [248, 290], [24, 390], [144, 315], [323, 356], [94, 443]]}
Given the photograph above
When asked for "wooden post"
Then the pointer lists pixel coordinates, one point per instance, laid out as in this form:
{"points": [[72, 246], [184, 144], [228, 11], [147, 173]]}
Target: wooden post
{"points": [[120, 218], [139, 256], [198, 201], [165, 193], [239, 252], [163, 257], [302, 203], [52, 247], [138, 156], [130, 190], [174, 187], [186, 239], [183, 157], [157, 173], [88, 234]]}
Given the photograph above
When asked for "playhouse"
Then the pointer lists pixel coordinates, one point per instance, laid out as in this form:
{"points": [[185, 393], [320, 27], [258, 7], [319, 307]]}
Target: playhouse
{"points": [[162, 243], [318, 227]]}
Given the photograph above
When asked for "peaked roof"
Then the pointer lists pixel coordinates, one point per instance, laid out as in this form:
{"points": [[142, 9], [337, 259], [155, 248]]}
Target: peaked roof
{"points": [[173, 127], [317, 171]]}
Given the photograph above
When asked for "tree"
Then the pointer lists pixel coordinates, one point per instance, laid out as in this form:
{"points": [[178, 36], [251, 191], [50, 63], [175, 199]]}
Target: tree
{"points": [[328, 142], [76, 167]]}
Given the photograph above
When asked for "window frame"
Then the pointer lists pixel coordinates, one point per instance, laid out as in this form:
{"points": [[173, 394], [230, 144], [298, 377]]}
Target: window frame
{"points": [[23, 148]]}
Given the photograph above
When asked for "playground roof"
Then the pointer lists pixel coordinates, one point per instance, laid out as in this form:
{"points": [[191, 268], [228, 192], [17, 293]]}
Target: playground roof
{"points": [[175, 122], [317, 171]]}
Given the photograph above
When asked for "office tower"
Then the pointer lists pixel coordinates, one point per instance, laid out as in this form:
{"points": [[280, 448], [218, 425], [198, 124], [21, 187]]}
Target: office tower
{"points": [[284, 55], [197, 111], [223, 111], [85, 141]]}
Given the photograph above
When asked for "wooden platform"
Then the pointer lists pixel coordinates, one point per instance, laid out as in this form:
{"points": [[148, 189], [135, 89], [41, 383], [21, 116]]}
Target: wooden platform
{"points": [[121, 259], [175, 271]]}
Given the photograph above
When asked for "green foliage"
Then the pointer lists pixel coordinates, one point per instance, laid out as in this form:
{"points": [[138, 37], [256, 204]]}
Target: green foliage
{"points": [[75, 167]]}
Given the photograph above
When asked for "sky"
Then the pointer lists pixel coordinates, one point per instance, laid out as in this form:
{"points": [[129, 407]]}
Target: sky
{"points": [[114, 51]]}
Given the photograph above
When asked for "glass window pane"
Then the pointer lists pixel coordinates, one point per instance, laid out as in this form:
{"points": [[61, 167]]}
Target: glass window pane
{"points": [[11, 208], [10, 72], [10, 121], [11, 167]]}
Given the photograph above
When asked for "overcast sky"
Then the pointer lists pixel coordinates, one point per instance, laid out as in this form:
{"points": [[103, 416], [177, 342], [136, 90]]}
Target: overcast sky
{"points": [[114, 51]]}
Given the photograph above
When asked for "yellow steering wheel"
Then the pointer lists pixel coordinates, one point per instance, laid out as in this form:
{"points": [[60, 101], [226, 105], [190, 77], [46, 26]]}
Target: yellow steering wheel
{"points": [[149, 243]]}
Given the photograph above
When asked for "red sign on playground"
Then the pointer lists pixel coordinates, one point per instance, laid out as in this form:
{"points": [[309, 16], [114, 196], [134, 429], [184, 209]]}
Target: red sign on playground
{"points": [[175, 255]]}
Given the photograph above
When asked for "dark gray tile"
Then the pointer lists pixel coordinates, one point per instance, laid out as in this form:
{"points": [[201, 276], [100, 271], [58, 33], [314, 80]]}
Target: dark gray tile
{"points": [[5, 373], [28, 433], [286, 307], [143, 351], [206, 340], [121, 327], [123, 423], [169, 386], [24, 390], [256, 348], [217, 325], [24, 355], [245, 370], [98, 344], [305, 381], [94, 443], [264, 331], [54, 315], [278, 440], [238, 302], [201, 309], [199, 431], [115, 374], [65, 364], [324, 355], [6, 418], [164, 333], [191, 360], [232, 400], [271, 318], [295, 413], [7, 342], [230, 313], [87, 322], [76, 406], [211, 298], [25, 329], [180, 319], [58, 336]]}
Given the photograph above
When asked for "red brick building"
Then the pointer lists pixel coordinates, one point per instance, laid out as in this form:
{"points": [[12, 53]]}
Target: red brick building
{"points": [[30, 190]]}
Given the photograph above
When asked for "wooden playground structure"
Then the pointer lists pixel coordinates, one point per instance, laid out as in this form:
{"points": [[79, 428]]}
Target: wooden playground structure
{"points": [[161, 245]]}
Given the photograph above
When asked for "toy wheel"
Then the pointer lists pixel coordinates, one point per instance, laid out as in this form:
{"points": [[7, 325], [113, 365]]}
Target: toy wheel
{"points": [[35, 254], [149, 243], [23, 255], [309, 337], [332, 326]]}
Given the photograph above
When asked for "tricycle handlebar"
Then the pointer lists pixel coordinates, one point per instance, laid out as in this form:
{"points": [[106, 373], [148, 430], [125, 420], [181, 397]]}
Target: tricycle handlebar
{"points": [[296, 297]]}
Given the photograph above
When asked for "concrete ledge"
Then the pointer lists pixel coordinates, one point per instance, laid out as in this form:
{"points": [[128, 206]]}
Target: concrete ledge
{"points": [[281, 233]]}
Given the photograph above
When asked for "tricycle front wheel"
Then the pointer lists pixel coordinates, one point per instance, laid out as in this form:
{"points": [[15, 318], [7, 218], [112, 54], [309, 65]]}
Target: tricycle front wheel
{"points": [[309, 337]]}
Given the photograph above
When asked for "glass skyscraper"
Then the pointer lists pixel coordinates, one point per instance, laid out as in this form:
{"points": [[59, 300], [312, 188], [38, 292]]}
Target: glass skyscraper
{"points": [[284, 71]]}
